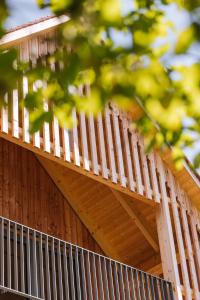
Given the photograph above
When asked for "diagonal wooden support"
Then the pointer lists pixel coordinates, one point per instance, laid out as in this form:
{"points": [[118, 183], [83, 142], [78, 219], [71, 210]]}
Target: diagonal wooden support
{"points": [[139, 220], [56, 174]]}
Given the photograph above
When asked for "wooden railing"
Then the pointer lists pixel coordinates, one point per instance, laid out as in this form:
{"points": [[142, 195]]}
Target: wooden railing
{"points": [[105, 146], [38, 266]]}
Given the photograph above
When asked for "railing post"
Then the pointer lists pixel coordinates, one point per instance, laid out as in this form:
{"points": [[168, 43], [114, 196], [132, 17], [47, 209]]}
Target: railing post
{"points": [[165, 235]]}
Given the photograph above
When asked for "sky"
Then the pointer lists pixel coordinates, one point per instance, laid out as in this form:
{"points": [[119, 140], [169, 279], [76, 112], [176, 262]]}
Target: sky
{"points": [[23, 11]]}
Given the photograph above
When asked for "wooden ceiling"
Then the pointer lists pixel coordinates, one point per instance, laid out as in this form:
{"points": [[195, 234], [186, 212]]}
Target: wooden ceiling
{"points": [[113, 219]]}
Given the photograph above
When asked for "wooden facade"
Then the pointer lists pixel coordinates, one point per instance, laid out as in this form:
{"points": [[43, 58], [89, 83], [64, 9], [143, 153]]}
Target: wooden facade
{"points": [[95, 186]]}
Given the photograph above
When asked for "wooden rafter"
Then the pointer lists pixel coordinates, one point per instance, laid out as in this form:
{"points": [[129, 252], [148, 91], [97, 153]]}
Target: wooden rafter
{"points": [[95, 231], [138, 219]]}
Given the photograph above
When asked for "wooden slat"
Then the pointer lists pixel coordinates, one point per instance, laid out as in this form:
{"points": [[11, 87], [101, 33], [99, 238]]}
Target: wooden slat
{"points": [[56, 137], [196, 242], [75, 139], [66, 144], [156, 193], [36, 135], [93, 144], [25, 113], [128, 154], [179, 236], [24, 57], [166, 240], [15, 114], [4, 115], [117, 139], [111, 154], [102, 146], [46, 132], [193, 274], [144, 168], [138, 175], [84, 142]]}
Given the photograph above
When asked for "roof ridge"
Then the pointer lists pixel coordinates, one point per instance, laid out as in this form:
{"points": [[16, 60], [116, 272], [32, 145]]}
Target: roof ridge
{"points": [[36, 21]]}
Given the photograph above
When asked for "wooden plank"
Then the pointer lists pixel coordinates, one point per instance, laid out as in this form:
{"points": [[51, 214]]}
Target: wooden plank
{"points": [[144, 168], [56, 137], [15, 114], [66, 144], [46, 132], [179, 236], [196, 243], [84, 142], [25, 113], [128, 154], [75, 139], [117, 140], [92, 136], [166, 240], [36, 135], [193, 274], [134, 141], [156, 193], [4, 115], [102, 146], [138, 219], [111, 154]]}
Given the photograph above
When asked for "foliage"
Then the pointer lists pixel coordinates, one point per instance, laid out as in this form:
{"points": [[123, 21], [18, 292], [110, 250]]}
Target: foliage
{"points": [[138, 71]]}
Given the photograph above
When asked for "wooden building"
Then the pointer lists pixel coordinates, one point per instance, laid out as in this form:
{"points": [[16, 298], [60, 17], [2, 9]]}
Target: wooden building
{"points": [[85, 213]]}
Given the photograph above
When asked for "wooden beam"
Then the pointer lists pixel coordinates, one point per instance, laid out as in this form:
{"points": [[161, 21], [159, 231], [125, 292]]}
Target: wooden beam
{"points": [[139, 220], [61, 182]]}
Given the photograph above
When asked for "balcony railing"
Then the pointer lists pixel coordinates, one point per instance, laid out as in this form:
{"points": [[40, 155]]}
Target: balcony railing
{"points": [[38, 266]]}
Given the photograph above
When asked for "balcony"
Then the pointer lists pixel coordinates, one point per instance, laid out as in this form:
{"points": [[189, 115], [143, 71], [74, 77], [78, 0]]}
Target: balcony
{"points": [[34, 265]]}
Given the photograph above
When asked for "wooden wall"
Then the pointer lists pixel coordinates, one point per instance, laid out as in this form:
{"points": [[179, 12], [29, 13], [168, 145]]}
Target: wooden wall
{"points": [[29, 196]]}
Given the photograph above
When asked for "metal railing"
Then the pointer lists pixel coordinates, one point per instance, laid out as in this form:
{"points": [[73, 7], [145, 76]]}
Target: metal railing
{"points": [[38, 266]]}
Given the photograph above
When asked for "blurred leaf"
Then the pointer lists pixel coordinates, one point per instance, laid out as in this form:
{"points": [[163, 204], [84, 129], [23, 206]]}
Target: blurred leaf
{"points": [[185, 39]]}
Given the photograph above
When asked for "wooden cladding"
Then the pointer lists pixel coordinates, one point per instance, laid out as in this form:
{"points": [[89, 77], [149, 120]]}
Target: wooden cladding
{"points": [[29, 196]]}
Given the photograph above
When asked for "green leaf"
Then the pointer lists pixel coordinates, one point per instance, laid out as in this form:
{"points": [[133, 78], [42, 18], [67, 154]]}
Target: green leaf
{"points": [[185, 39]]}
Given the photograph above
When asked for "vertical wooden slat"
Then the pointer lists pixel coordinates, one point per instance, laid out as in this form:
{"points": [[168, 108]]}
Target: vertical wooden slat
{"points": [[92, 136], [66, 144], [25, 113], [156, 193], [46, 132], [35, 266], [138, 175], [4, 115], [24, 57], [102, 147], [115, 116], [15, 114], [111, 154], [165, 233], [196, 243], [84, 287], [84, 141], [144, 168], [36, 135], [75, 139], [56, 137], [179, 236], [193, 275], [128, 154]]}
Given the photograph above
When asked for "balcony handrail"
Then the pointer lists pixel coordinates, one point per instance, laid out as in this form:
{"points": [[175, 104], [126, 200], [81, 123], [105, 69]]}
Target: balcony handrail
{"points": [[44, 261]]}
